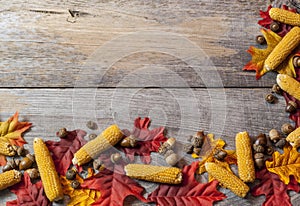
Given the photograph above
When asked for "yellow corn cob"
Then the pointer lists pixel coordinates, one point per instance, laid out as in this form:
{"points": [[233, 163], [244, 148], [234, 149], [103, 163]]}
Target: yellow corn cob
{"points": [[289, 84], [244, 157], [9, 178], [288, 43], [285, 16], [152, 173], [227, 179], [91, 150], [48, 174], [6, 149], [294, 138]]}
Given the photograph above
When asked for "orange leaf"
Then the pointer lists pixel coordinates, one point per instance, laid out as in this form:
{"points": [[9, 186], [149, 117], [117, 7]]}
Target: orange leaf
{"points": [[285, 164]]}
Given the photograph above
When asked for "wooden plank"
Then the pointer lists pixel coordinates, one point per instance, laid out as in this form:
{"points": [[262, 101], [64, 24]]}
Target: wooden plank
{"points": [[180, 43], [181, 111]]}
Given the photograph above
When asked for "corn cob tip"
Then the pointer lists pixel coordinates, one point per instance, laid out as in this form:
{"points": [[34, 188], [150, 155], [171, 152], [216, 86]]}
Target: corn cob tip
{"points": [[74, 161]]}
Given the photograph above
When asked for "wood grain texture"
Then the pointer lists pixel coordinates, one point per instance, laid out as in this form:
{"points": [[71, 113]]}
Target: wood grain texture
{"points": [[40, 48]]}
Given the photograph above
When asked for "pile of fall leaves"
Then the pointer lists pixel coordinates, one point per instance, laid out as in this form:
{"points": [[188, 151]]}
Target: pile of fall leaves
{"points": [[110, 186]]}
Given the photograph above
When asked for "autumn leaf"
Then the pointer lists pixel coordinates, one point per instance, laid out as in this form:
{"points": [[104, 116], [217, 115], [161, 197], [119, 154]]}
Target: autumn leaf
{"points": [[147, 140], [79, 197], [189, 192], [285, 164], [114, 187], [29, 194], [63, 150], [273, 188]]}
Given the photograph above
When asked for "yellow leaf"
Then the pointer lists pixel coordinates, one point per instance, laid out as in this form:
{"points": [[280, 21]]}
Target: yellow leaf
{"points": [[285, 164], [79, 197]]}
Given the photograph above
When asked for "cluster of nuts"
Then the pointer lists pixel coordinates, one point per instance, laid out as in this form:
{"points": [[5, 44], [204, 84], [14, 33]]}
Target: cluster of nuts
{"points": [[274, 26], [260, 147], [271, 98], [25, 161], [71, 175], [279, 140], [196, 143], [166, 149]]}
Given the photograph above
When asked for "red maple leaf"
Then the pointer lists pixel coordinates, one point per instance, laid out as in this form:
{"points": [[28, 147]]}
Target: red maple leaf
{"points": [[273, 188], [266, 21], [29, 194], [147, 140], [63, 151], [189, 192], [114, 187]]}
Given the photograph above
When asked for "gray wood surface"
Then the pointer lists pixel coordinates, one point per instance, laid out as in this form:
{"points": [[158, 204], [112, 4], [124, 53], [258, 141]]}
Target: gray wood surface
{"points": [[178, 62]]}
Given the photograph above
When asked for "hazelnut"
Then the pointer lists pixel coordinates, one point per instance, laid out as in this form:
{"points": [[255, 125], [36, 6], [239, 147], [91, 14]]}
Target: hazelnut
{"points": [[26, 162], [188, 148], [287, 128], [220, 154], [260, 39], [115, 158], [172, 159], [97, 164], [261, 139], [281, 143], [91, 125], [269, 150], [129, 141], [258, 148], [21, 151], [168, 153], [270, 98], [296, 61], [291, 107], [274, 135], [259, 163], [274, 26], [62, 133], [92, 136], [33, 173], [197, 150], [276, 89], [71, 174], [75, 184]]}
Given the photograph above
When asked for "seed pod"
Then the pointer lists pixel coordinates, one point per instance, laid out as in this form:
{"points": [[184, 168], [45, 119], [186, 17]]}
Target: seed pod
{"points": [[91, 125], [92, 136], [75, 184], [197, 150], [291, 107], [26, 162], [287, 128], [172, 159], [296, 61], [71, 174], [188, 148], [33, 173], [21, 151], [168, 153], [276, 89], [260, 39], [151, 173], [281, 143], [270, 98], [258, 148], [9, 178], [62, 133], [220, 154], [269, 150], [274, 26], [129, 141], [274, 135], [115, 158], [97, 164]]}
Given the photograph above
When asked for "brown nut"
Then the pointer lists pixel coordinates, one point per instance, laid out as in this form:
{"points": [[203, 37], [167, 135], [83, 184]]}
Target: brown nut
{"points": [[258, 148], [172, 159], [115, 158], [296, 61], [129, 141], [276, 89], [291, 107], [260, 39], [259, 163], [188, 148], [33, 173], [281, 143], [62, 133], [97, 164], [287, 128], [71, 174], [269, 150], [274, 26], [261, 139], [7, 167], [197, 150], [220, 154], [259, 155], [92, 125], [26, 162], [21, 151], [270, 98], [92, 136], [75, 184], [274, 135]]}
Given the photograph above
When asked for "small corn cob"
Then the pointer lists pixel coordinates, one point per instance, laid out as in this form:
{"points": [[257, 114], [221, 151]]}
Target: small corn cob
{"points": [[289, 84], [48, 174], [9, 178], [152, 173], [285, 16], [288, 43], [6, 149], [294, 138], [244, 157], [227, 179], [91, 150]]}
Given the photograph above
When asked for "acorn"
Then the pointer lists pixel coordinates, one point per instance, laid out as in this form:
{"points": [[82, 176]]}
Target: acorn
{"points": [[33, 173], [220, 154], [260, 39], [259, 160], [97, 164], [21, 151], [129, 141], [26, 162], [10, 165], [92, 125], [274, 135], [269, 150], [62, 133], [75, 184], [281, 143], [188, 148], [296, 61], [276, 89], [274, 26], [115, 158], [258, 148], [287, 128], [291, 107], [270, 98], [71, 174], [172, 159], [92, 136], [261, 139]]}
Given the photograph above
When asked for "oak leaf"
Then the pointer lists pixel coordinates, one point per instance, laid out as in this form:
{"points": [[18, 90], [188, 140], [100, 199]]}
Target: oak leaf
{"points": [[29, 194], [189, 192], [285, 164], [273, 188], [147, 140], [63, 150]]}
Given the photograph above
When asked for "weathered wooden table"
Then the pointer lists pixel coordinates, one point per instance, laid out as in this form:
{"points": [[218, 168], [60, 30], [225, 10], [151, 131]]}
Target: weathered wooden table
{"points": [[178, 62]]}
